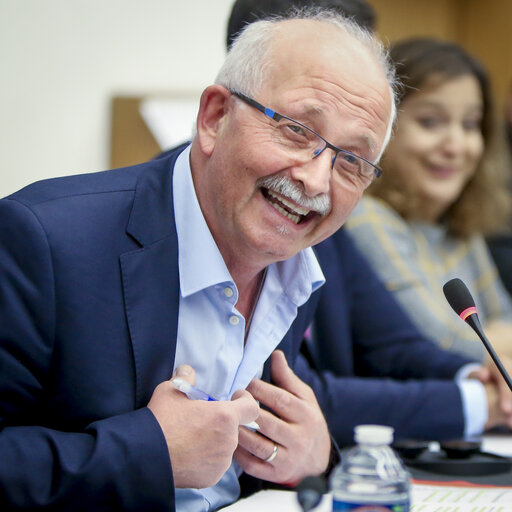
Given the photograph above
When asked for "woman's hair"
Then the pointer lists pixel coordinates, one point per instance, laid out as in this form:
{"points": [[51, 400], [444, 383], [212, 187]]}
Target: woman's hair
{"points": [[248, 63], [483, 204]]}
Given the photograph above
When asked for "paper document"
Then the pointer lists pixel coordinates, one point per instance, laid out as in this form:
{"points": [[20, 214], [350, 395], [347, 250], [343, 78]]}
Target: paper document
{"points": [[434, 498], [424, 498]]}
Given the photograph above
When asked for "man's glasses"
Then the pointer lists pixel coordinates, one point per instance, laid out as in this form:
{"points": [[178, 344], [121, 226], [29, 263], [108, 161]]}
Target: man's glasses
{"points": [[304, 144]]}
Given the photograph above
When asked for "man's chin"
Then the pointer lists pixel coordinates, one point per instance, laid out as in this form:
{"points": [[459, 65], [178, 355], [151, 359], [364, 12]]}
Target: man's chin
{"points": [[280, 251]]}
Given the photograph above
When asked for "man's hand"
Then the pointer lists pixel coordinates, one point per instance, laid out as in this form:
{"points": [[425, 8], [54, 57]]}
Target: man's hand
{"points": [[499, 396], [497, 417], [297, 427], [201, 436]]}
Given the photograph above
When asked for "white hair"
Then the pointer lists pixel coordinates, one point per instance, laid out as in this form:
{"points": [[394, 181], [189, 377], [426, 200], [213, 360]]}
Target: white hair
{"points": [[246, 64]]}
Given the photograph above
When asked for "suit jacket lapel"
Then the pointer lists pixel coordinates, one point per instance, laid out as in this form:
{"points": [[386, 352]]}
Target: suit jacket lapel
{"points": [[151, 279]]}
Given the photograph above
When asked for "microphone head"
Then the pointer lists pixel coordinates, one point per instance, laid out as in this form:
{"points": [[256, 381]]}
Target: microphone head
{"points": [[310, 491], [458, 296], [460, 299]]}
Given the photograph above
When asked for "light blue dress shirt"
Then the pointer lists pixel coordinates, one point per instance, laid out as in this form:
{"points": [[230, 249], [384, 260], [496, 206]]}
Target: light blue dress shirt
{"points": [[210, 329], [474, 401]]}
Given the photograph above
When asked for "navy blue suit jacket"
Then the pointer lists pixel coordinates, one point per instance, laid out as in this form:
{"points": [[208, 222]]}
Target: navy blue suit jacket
{"points": [[89, 292]]}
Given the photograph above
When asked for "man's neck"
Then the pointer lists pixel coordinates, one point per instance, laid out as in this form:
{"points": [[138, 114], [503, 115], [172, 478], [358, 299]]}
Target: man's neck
{"points": [[248, 293]]}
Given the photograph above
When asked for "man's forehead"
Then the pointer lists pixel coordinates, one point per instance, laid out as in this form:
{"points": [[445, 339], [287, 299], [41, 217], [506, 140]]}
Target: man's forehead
{"points": [[321, 50]]}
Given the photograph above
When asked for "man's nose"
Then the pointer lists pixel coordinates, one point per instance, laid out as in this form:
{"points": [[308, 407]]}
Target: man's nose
{"points": [[315, 174]]}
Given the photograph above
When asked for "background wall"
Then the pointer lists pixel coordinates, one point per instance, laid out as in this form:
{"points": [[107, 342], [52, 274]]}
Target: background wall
{"points": [[483, 27], [61, 62]]}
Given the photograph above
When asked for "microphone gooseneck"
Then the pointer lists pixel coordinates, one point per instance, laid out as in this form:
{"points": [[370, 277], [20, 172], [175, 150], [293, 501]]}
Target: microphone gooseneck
{"points": [[461, 301]]}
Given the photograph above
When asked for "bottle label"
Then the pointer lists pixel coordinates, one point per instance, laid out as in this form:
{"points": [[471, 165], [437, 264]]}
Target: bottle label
{"points": [[364, 507]]}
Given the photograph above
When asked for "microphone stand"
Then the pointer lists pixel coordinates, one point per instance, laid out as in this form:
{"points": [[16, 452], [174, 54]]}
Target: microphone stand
{"points": [[475, 324]]}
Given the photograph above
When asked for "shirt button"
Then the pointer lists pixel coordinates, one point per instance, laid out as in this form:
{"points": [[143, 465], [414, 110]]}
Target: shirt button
{"points": [[234, 320], [228, 292]]}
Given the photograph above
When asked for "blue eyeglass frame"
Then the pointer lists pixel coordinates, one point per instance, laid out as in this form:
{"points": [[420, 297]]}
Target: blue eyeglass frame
{"points": [[272, 114]]}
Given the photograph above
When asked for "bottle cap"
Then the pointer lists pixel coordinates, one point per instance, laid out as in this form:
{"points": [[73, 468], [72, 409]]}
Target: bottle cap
{"points": [[373, 434]]}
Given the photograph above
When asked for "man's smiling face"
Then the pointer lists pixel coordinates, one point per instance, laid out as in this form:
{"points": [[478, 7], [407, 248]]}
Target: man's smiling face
{"points": [[260, 203]]}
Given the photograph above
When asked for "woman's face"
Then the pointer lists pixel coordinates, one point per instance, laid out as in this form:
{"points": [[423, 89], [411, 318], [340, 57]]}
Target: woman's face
{"points": [[437, 143]]}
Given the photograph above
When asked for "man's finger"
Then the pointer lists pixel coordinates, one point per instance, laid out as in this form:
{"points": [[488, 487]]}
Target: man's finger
{"points": [[256, 444], [505, 396], [283, 403], [186, 372], [483, 374], [284, 377], [504, 392], [255, 466], [271, 426], [247, 407]]}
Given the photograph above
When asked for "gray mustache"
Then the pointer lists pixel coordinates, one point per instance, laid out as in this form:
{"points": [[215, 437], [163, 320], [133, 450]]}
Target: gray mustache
{"points": [[287, 188]]}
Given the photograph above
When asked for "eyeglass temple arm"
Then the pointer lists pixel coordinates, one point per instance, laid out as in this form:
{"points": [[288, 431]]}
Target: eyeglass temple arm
{"points": [[267, 111]]}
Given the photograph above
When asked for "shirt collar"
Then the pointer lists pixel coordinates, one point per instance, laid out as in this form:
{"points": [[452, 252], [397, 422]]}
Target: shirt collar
{"points": [[195, 241], [299, 276]]}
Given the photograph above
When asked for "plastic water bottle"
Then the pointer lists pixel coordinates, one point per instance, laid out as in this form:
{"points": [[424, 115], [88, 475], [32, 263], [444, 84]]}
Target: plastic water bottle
{"points": [[371, 478]]}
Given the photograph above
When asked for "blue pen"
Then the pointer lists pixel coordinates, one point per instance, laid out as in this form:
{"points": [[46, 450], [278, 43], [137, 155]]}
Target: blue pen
{"points": [[196, 394]]}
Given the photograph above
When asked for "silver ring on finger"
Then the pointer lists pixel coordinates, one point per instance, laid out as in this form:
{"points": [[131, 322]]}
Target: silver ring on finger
{"points": [[272, 456]]}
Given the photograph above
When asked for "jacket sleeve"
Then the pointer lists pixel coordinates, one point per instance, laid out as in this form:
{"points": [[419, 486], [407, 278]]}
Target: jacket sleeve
{"points": [[429, 409], [114, 463], [373, 364], [362, 330]]}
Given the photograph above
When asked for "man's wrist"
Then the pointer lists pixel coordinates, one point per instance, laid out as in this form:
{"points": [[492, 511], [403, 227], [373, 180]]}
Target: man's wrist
{"points": [[474, 406], [334, 459]]}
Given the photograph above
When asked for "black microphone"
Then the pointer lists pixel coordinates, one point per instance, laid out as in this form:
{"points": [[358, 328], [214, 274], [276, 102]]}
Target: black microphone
{"points": [[310, 491], [460, 299]]}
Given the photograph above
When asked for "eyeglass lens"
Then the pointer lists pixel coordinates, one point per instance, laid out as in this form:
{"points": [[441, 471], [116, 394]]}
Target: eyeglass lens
{"points": [[305, 144]]}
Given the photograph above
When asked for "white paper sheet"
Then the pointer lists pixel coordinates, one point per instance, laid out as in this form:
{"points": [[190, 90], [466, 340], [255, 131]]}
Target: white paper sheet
{"points": [[424, 498], [433, 498]]}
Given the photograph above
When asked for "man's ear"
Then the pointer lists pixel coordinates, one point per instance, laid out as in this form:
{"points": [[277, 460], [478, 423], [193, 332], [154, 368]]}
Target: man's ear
{"points": [[212, 109]]}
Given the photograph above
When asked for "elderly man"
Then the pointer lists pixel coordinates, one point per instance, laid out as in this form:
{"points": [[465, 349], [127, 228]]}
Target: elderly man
{"points": [[196, 264]]}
